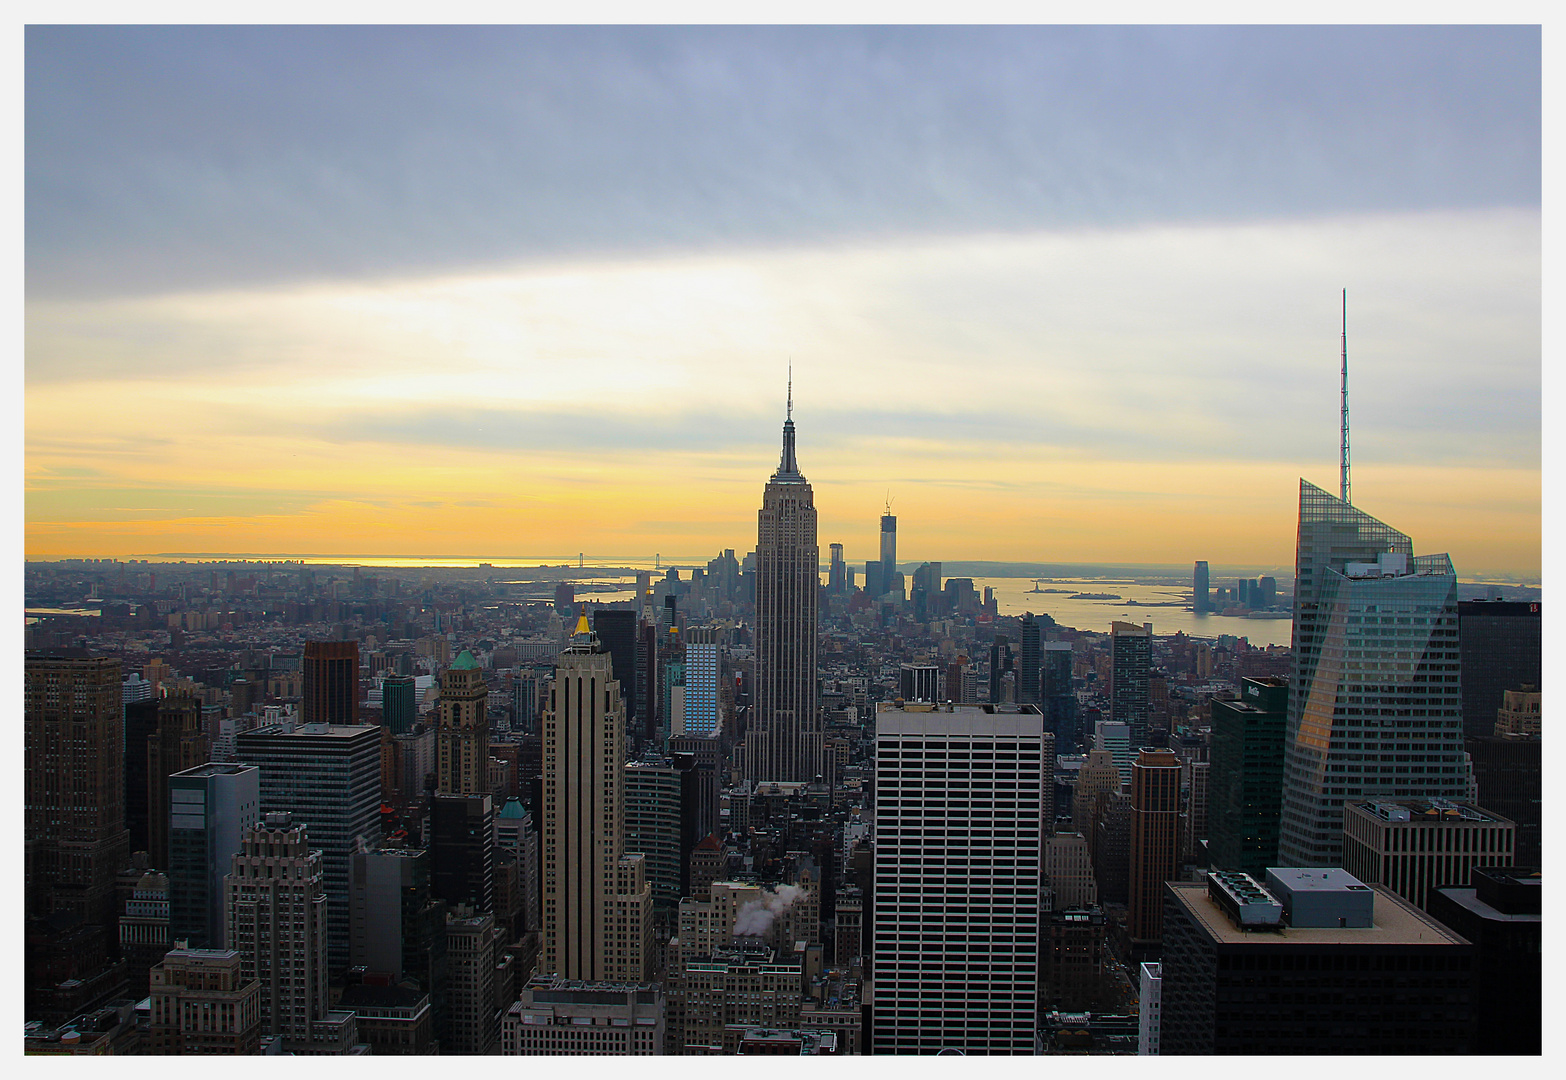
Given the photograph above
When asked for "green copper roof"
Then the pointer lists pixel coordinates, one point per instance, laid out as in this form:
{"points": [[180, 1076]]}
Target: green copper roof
{"points": [[465, 662], [513, 808]]}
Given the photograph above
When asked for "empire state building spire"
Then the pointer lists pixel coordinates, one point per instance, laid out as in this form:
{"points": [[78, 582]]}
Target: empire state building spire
{"points": [[788, 466], [784, 739]]}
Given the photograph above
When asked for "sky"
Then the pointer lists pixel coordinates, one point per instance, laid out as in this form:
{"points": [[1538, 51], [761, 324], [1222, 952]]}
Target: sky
{"points": [[1061, 294]]}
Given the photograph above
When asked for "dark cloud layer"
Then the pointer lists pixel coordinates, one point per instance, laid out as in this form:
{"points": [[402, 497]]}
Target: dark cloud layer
{"points": [[175, 157]]}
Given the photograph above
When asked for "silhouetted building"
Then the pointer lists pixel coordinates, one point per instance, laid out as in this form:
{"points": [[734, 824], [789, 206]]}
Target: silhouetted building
{"points": [[1501, 913], [1239, 977], [1201, 603], [180, 743], [1502, 649], [1509, 779]]}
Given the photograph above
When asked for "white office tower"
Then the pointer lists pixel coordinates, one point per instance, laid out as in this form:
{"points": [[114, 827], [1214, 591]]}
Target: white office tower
{"points": [[1375, 708], [597, 899], [1150, 1020], [958, 827], [1115, 737]]}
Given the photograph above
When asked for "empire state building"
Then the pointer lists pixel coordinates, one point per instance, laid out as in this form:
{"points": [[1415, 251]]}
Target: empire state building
{"points": [[784, 743]]}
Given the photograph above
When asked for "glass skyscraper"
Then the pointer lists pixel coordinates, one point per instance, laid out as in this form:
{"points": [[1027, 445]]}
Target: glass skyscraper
{"points": [[1374, 702]]}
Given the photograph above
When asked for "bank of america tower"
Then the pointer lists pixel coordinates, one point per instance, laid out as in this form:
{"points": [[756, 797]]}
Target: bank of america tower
{"points": [[784, 743]]}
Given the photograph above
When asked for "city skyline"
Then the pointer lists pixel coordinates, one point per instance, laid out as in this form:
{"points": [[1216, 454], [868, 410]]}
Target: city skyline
{"points": [[1059, 290]]}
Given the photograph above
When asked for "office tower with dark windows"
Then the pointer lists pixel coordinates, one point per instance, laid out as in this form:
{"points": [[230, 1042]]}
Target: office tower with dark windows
{"points": [[837, 572], [1312, 962], [331, 683], [955, 931], [784, 739], [1501, 912], [74, 834], [1201, 603], [1155, 839], [329, 777], [462, 850], [179, 743], [1131, 664], [925, 592], [701, 683], [1029, 679], [398, 924], [1057, 701], [1509, 778], [597, 909], [1245, 779], [616, 628], [462, 730], [1374, 705], [210, 808], [399, 703], [1501, 650], [919, 682], [652, 826], [141, 723]]}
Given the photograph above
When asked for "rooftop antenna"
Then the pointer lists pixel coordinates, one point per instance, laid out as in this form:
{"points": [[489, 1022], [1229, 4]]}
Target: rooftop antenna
{"points": [[790, 415], [888, 504], [1343, 481]]}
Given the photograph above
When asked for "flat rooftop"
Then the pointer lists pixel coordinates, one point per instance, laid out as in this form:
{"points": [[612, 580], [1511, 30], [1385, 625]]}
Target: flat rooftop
{"points": [[1396, 922], [955, 720]]}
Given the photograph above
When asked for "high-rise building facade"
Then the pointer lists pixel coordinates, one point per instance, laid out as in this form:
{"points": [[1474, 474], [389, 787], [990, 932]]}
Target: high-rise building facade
{"points": [[1245, 783], [1502, 649], [1374, 705], [1131, 658], [1201, 601], [74, 824], [888, 552], [399, 703], [462, 731], [1155, 839], [331, 683], [329, 777], [179, 743], [784, 740], [701, 682], [210, 808], [597, 908], [1415, 845], [955, 937], [203, 1003], [276, 920], [1029, 679], [837, 572]]}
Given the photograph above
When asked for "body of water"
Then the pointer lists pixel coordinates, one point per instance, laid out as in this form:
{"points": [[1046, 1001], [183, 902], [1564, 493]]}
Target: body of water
{"points": [[1012, 597]]}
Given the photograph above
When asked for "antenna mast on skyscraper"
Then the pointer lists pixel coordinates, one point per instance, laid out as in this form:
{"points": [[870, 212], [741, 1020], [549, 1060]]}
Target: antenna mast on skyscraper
{"points": [[1343, 482], [790, 415]]}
